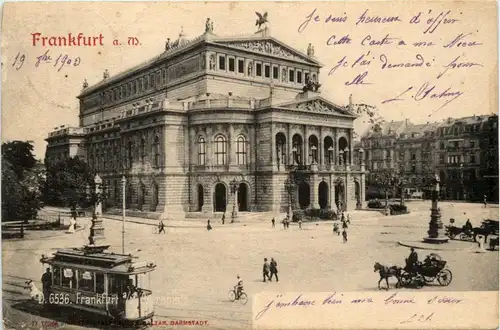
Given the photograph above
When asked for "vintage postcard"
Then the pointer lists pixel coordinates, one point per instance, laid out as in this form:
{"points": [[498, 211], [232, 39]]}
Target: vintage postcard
{"points": [[239, 165]]}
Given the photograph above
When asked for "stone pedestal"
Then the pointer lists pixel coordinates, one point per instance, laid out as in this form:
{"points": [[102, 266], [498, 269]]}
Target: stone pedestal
{"points": [[96, 231], [436, 228]]}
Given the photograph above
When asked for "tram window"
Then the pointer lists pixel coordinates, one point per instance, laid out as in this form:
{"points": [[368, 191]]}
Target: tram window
{"points": [[99, 282], [116, 284], [86, 281], [144, 281], [68, 278], [56, 274]]}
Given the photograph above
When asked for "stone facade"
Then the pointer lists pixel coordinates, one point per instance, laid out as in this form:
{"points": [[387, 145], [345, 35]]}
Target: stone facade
{"points": [[219, 121]]}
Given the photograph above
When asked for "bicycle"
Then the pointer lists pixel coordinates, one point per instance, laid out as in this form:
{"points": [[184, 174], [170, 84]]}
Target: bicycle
{"points": [[243, 298]]}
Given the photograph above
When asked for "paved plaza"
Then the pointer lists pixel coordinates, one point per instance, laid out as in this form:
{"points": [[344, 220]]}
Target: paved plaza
{"points": [[196, 268]]}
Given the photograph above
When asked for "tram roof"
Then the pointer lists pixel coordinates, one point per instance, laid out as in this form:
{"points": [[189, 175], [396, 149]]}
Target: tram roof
{"points": [[107, 262]]}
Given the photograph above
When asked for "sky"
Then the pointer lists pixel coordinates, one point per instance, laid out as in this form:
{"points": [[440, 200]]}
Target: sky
{"points": [[38, 98]]}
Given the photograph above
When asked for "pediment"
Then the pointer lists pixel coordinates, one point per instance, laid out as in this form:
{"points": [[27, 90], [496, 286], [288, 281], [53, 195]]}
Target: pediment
{"points": [[318, 105], [268, 46]]}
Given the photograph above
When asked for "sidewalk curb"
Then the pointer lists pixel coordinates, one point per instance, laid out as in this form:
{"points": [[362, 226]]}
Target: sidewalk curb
{"points": [[436, 247]]}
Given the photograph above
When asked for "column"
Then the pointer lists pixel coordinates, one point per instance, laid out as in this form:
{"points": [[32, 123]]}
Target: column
{"points": [[321, 147], [305, 156], [273, 148], [193, 143], [351, 146], [210, 143], [290, 145], [230, 143], [335, 147]]}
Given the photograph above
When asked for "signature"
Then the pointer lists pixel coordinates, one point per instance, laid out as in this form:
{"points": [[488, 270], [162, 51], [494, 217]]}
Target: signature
{"points": [[417, 317], [430, 92]]}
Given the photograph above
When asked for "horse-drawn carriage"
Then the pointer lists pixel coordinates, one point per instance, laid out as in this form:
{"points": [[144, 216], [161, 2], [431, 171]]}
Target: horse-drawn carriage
{"points": [[433, 268]]}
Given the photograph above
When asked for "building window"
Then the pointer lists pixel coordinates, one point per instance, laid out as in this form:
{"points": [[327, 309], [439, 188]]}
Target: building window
{"points": [[281, 148], [231, 64], [473, 158], [276, 72], [86, 281], [441, 158], [313, 149], [153, 81], [129, 153], [241, 66], [164, 74], [299, 77], [472, 144], [291, 75], [258, 70], [267, 71], [143, 149], [441, 145], [222, 63], [241, 150], [220, 150], [413, 168], [202, 151], [413, 156], [141, 85], [156, 151], [117, 157], [297, 149]]}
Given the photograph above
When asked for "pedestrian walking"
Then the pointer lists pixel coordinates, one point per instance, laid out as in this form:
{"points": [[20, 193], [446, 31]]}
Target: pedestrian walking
{"points": [[284, 223], [300, 223], [274, 270], [342, 217], [209, 227], [348, 218], [344, 225], [336, 229], [223, 217], [287, 223], [273, 220], [484, 201], [344, 235], [265, 270], [161, 227]]}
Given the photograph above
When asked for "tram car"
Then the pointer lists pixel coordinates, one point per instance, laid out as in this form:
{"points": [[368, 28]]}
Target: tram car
{"points": [[89, 279]]}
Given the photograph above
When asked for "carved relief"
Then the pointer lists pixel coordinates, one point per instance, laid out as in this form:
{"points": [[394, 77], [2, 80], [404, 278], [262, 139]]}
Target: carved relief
{"points": [[212, 62], [184, 68], [266, 47], [317, 106]]}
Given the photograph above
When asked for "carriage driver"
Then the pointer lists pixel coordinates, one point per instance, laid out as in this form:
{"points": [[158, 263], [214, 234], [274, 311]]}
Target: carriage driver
{"points": [[412, 260]]}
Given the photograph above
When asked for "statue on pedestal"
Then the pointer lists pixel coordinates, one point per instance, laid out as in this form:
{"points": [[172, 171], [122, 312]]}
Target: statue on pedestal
{"points": [[105, 75], [167, 44]]}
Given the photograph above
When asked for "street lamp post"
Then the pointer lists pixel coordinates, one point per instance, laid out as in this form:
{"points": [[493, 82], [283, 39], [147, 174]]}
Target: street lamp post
{"points": [[435, 232], [362, 168], [234, 190], [462, 181], [289, 185], [96, 197], [124, 183]]}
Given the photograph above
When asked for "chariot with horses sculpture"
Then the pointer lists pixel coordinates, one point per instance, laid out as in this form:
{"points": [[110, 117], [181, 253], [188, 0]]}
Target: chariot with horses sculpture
{"points": [[415, 273]]}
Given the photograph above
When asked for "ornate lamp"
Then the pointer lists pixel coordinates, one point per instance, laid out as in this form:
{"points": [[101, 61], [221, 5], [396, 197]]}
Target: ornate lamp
{"points": [[289, 185], [234, 189], [313, 154], [435, 232]]}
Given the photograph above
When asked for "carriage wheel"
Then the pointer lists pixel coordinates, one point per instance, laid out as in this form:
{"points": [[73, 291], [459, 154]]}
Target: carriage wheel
{"points": [[243, 298], [464, 237], [444, 277], [451, 236], [406, 279], [429, 279], [232, 295]]}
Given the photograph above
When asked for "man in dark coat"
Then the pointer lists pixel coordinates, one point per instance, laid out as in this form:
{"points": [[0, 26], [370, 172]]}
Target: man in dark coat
{"points": [[46, 284], [411, 261], [161, 227], [344, 235], [274, 270], [265, 270]]}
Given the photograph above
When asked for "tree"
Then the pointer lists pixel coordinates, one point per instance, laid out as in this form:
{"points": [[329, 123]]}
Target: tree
{"points": [[20, 155], [68, 183], [21, 182], [388, 179]]}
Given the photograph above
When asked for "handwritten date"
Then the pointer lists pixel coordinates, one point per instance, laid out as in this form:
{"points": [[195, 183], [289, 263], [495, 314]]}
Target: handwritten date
{"points": [[417, 317], [62, 60]]}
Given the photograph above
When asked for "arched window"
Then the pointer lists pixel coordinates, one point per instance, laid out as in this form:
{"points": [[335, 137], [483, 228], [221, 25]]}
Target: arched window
{"points": [[297, 149], [143, 149], [97, 159], [220, 150], [117, 156], [328, 146], [281, 148], [156, 151], [105, 158], [313, 149], [202, 150], [241, 150]]}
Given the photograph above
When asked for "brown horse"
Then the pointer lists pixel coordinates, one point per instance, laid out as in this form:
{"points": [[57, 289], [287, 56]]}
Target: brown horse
{"points": [[386, 272]]}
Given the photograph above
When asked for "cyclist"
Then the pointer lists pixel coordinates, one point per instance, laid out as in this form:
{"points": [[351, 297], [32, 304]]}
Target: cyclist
{"points": [[238, 288]]}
